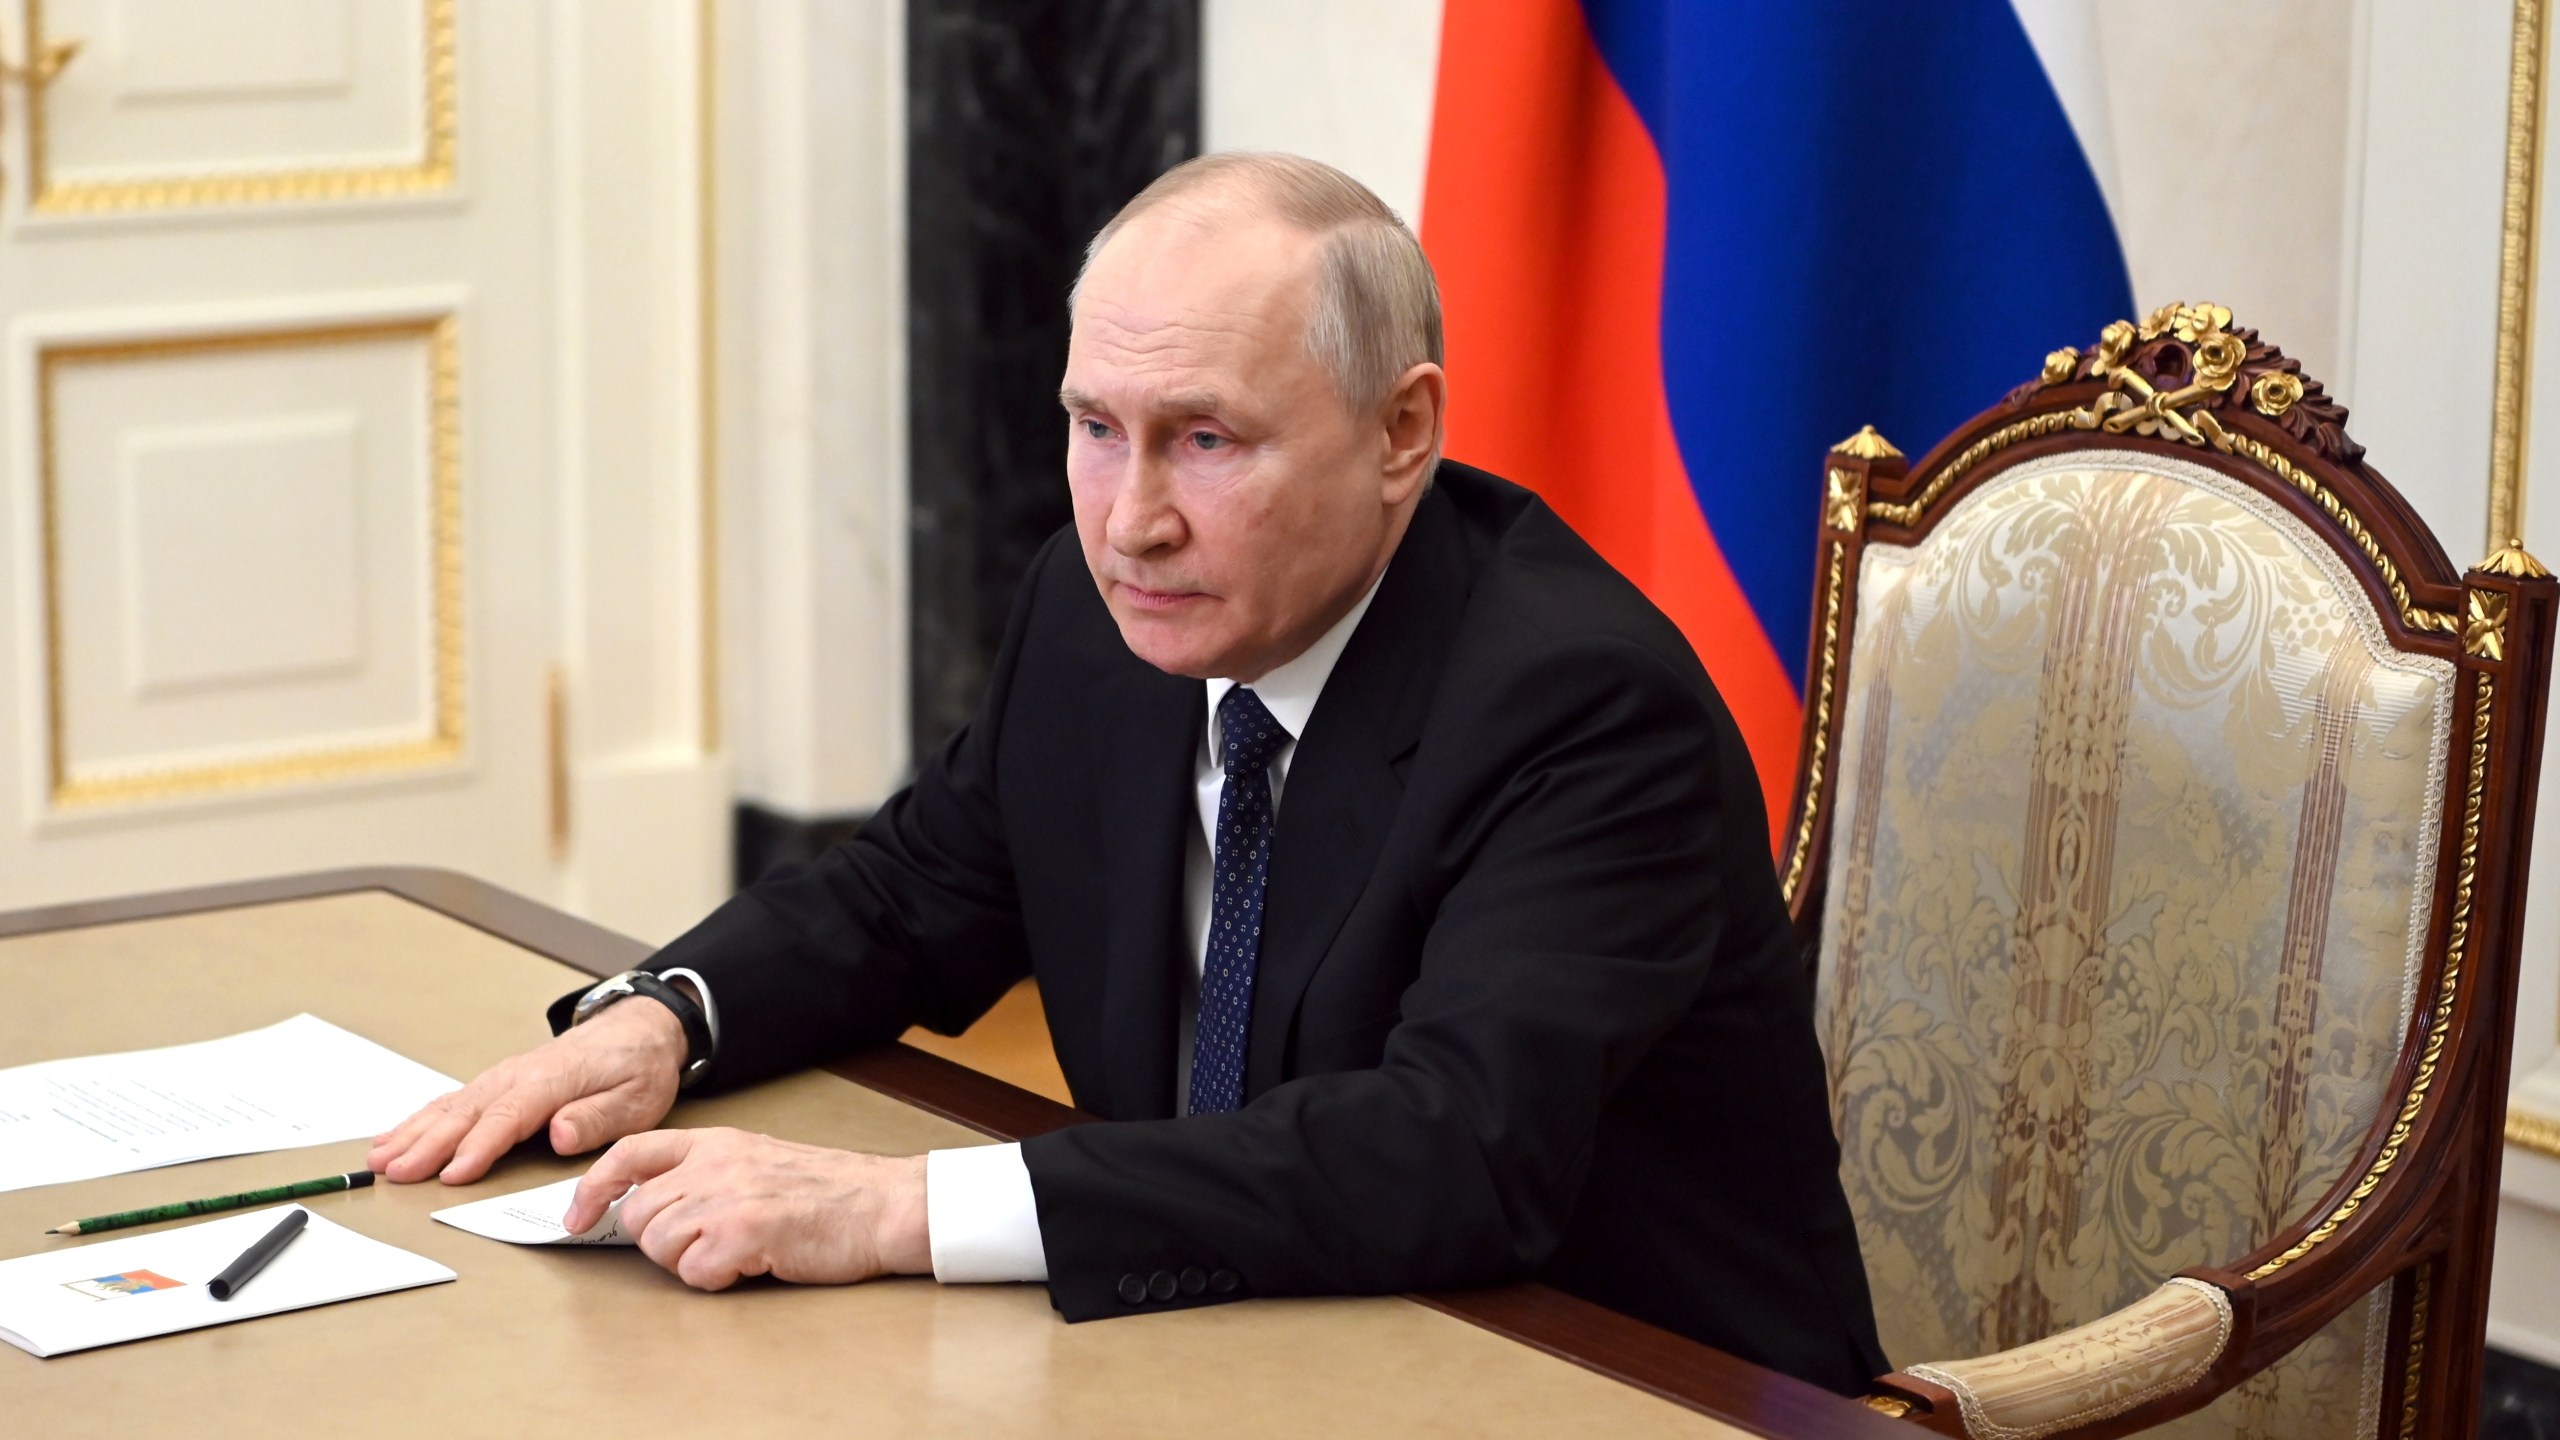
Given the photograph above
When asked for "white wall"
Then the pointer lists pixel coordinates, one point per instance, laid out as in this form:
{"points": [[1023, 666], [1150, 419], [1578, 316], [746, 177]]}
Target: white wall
{"points": [[1348, 82], [2277, 121], [643, 766], [812, 407]]}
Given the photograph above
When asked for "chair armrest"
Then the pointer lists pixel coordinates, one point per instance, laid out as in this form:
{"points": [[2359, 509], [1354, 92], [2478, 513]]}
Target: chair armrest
{"points": [[2154, 1347]]}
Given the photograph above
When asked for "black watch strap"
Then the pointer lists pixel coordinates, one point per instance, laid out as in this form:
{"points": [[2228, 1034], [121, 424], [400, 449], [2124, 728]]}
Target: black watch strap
{"points": [[697, 1026]]}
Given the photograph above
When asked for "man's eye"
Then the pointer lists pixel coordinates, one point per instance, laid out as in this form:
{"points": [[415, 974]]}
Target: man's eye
{"points": [[1096, 429], [1208, 440]]}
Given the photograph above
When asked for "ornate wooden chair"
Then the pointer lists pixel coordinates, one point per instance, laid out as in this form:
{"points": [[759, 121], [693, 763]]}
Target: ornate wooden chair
{"points": [[2160, 845]]}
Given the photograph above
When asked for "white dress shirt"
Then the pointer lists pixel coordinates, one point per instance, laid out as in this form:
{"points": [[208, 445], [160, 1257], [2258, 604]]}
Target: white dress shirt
{"points": [[978, 1202]]}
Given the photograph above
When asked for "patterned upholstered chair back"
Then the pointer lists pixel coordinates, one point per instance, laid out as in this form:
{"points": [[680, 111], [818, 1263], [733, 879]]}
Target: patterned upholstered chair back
{"points": [[2123, 845]]}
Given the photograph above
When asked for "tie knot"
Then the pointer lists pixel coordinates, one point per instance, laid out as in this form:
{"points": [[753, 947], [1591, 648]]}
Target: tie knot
{"points": [[1247, 734]]}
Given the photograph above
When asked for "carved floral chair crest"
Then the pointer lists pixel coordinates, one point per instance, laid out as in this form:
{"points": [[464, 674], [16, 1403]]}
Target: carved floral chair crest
{"points": [[2160, 840]]}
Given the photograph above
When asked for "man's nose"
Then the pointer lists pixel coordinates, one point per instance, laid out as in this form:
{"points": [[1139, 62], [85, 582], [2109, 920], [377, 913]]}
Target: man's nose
{"points": [[1143, 518]]}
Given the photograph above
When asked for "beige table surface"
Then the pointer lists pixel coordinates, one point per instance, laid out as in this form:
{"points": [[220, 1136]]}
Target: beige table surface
{"points": [[601, 1343]]}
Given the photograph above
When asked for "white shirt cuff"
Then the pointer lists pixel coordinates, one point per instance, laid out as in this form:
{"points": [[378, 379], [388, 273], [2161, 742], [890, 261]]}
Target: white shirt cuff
{"points": [[983, 1223]]}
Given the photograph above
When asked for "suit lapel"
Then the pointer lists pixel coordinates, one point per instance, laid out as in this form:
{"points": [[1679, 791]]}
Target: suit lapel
{"points": [[1153, 724], [1343, 790]]}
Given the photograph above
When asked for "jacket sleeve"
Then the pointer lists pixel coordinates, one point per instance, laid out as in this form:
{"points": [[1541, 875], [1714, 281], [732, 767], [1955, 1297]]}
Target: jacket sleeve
{"points": [[1572, 909], [912, 921]]}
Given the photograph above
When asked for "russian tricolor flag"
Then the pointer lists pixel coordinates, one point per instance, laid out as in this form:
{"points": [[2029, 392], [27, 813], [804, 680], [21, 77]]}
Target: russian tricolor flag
{"points": [[1687, 245]]}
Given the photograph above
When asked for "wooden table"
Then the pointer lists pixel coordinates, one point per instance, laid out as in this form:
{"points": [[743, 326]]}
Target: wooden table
{"points": [[454, 973]]}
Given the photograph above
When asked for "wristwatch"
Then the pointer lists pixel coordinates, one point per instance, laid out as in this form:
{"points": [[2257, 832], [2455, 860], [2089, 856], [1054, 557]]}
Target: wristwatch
{"points": [[701, 1040]]}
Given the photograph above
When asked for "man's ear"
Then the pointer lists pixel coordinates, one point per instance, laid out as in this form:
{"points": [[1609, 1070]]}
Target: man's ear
{"points": [[1411, 419]]}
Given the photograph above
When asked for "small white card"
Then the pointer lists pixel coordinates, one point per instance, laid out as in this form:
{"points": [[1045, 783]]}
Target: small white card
{"points": [[81, 1296], [532, 1217]]}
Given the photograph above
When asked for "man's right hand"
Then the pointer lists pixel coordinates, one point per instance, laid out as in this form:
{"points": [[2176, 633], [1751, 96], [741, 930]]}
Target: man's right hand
{"points": [[616, 1075]]}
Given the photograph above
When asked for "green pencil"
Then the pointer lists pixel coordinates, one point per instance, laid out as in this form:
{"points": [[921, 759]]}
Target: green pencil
{"points": [[352, 1180]]}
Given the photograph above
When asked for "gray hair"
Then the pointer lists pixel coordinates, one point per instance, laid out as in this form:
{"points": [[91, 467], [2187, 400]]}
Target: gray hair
{"points": [[1377, 310]]}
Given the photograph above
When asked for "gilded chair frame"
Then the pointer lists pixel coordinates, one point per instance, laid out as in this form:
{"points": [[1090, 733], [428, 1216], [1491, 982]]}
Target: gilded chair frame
{"points": [[2417, 1207]]}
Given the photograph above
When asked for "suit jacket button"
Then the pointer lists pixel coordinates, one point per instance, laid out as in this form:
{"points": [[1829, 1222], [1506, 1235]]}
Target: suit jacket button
{"points": [[1161, 1285], [1133, 1289], [1194, 1280], [1225, 1281]]}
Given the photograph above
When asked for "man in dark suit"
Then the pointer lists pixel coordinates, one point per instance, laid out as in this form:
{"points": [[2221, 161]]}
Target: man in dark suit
{"points": [[1396, 882]]}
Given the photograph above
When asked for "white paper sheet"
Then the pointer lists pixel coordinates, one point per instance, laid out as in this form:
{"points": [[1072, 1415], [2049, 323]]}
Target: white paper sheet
{"points": [[80, 1296], [299, 1082], [532, 1217]]}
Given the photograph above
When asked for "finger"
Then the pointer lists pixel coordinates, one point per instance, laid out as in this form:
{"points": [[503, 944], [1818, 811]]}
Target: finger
{"points": [[399, 1136], [713, 1263], [434, 1146], [396, 1141], [633, 1159], [508, 1119], [668, 1229], [644, 1201], [666, 1223], [593, 1120]]}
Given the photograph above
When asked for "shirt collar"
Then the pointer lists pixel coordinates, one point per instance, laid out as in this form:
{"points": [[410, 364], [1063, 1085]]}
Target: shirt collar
{"points": [[1289, 692]]}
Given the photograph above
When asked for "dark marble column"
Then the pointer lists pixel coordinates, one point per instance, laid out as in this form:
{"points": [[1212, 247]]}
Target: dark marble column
{"points": [[1028, 124], [2519, 1399]]}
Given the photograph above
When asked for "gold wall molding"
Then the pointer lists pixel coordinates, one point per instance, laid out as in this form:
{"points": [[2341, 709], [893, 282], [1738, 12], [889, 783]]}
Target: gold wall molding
{"points": [[443, 742], [2510, 405], [2528, 1131], [433, 170], [555, 732]]}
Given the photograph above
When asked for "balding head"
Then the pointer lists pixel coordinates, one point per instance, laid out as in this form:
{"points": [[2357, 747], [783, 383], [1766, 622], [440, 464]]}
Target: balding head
{"points": [[1248, 438], [1375, 312]]}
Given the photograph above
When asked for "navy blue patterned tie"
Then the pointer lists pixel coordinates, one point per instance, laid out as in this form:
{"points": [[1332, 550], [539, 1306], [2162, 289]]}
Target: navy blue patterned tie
{"points": [[1248, 738]]}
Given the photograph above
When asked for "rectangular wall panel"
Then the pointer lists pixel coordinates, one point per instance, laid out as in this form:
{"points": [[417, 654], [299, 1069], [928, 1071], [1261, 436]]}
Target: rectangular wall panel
{"points": [[252, 558], [174, 103], [244, 557]]}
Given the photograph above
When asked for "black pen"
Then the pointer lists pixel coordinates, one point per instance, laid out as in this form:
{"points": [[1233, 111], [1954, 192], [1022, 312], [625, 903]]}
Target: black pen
{"points": [[255, 1258]]}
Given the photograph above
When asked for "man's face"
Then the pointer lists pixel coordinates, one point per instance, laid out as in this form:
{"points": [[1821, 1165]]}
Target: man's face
{"points": [[1230, 505]]}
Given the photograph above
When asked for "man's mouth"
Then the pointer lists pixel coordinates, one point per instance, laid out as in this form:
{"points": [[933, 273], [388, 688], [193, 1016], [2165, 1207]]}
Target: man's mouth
{"points": [[1147, 599]]}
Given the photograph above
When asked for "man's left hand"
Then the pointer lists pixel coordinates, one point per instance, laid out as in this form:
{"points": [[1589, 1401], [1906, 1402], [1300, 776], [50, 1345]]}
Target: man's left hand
{"points": [[718, 1205]]}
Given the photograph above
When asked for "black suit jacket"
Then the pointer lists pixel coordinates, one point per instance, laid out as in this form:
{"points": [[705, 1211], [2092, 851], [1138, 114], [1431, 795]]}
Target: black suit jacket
{"points": [[1527, 1004]]}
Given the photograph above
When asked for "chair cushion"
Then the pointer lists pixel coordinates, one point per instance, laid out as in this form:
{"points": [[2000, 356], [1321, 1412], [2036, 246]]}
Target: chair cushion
{"points": [[2136, 828]]}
